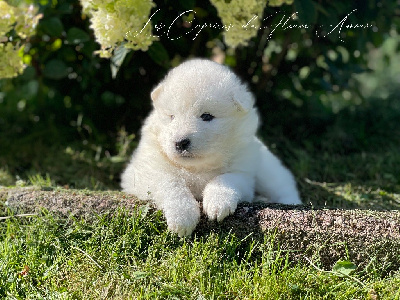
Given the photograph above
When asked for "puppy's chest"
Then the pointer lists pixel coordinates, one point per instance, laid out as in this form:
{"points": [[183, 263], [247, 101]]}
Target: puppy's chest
{"points": [[196, 182]]}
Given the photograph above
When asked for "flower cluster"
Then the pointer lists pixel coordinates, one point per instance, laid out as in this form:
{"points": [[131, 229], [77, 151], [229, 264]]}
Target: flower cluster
{"points": [[10, 60], [279, 2], [117, 22], [242, 18], [22, 20], [7, 18]]}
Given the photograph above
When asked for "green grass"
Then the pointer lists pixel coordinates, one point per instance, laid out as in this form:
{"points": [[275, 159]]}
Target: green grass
{"points": [[366, 180], [132, 256]]}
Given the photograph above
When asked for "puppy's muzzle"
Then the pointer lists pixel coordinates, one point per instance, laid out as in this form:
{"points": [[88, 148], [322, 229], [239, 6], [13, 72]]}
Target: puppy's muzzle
{"points": [[182, 145]]}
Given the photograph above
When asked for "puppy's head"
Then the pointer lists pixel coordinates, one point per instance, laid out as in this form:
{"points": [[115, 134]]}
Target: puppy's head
{"points": [[205, 113]]}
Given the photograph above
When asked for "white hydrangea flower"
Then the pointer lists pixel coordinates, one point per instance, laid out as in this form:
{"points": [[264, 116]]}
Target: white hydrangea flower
{"points": [[10, 60], [86, 6], [120, 21], [279, 2], [107, 28], [242, 18], [27, 20], [7, 18], [23, 20]]}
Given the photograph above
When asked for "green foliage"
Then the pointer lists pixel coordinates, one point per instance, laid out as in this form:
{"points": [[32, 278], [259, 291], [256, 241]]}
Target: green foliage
{"points": [[307, 11], [77, 36], [309, 67]]}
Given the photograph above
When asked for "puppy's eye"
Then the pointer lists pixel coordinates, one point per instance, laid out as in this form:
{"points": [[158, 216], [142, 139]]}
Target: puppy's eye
{"points": [[207, 117]]}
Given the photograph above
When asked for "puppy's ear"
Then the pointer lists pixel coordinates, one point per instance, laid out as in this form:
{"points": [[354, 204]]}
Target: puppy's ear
{"points": [[243, 99], [156, 92]]}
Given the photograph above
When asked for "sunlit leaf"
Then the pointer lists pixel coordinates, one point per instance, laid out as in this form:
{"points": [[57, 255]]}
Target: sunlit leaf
{"points": [[118, 58], [344, 267]]}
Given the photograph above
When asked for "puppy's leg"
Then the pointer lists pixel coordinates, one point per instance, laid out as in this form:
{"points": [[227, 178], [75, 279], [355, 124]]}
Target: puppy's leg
{"points": [[169, 193], [222, 194], [274, 181], [179, 206]]}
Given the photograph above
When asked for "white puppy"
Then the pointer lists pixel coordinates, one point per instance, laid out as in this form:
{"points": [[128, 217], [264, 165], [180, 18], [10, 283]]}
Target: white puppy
{"points": [[199, 143]]}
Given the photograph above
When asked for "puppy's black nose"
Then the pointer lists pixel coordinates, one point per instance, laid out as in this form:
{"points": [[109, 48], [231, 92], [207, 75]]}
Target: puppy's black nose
{"points": [[182, 145]]}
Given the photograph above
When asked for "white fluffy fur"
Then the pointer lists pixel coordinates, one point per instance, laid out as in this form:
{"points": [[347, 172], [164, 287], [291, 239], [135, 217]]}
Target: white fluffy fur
{"points": [[225, 163]]}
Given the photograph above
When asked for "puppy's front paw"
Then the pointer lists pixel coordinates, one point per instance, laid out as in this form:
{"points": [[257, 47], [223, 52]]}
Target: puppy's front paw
{"points": [[182, 219], [219, 201]]}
